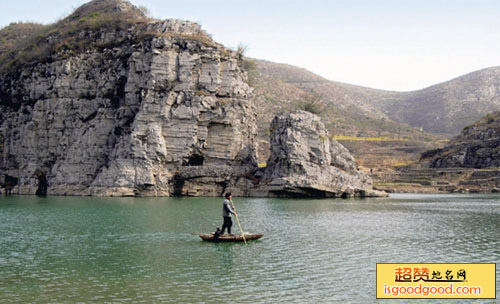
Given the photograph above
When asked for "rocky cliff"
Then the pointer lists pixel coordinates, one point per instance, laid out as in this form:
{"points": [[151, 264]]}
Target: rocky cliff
{"points": [[141, 106], [109, 102], [304, 161], [478, 146]]}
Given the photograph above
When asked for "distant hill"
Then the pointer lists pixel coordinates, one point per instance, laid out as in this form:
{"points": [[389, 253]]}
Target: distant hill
{"points": [[355, 109], [447, 107], [444, 108]]}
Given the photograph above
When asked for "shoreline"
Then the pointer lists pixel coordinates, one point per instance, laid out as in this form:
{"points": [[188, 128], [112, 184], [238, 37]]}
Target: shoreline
{"points": [[388, 191]]}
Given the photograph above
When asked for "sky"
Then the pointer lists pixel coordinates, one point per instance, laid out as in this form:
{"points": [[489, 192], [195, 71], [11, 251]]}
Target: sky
{"points": [[383, 44]]}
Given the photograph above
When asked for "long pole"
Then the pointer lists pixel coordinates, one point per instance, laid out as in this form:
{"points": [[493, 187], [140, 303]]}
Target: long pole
{"points": [[238, 221]]}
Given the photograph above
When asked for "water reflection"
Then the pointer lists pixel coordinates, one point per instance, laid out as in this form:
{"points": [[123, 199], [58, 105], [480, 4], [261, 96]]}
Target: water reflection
{"points": [[62, 249], [225, 256]]}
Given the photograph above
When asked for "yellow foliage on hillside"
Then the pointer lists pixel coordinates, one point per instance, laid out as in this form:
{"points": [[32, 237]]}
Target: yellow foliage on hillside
{"points": [[403, 164], [355, 138]]}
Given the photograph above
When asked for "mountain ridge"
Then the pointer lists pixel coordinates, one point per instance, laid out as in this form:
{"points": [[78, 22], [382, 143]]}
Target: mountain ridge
{"points": [[455, 103]]}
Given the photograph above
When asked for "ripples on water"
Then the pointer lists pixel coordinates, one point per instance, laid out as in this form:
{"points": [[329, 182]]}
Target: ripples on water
{"points": [[138, 250]]}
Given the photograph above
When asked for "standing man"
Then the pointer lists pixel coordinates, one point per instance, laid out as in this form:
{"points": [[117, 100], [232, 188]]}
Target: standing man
{"points": [[226, 213]]}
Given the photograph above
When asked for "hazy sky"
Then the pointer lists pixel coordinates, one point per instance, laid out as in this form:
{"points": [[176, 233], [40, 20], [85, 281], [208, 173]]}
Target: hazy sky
{"points": [[394, 45]]}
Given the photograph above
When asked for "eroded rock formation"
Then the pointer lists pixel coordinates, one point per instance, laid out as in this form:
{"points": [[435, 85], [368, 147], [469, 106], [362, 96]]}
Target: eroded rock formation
{"points": [[305, 162]]}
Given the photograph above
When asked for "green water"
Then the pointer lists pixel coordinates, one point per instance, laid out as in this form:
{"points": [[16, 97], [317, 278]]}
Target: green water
{"points": [[140, 250]]}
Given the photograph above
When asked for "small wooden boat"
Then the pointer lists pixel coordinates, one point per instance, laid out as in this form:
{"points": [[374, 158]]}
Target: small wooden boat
{"points": [[230, 237]]}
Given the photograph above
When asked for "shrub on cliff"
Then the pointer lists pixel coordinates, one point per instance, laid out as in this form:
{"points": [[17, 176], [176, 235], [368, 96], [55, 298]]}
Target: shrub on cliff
{"points": [[312, 103]]}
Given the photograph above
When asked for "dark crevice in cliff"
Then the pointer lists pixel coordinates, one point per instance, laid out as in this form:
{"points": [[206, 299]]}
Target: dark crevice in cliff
{"points": [[42, 183], [89, 117], [195, 160], [9, 100], [223, 185], [9, 183], [178, 185], [120, 91], [4, 96], [302, 192], [118, 131]]}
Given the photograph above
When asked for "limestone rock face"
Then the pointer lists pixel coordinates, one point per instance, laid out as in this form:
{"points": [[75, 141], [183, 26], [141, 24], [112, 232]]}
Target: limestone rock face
{"points": [[168, 115], [305, 162], [478, 146], [111, 103]]}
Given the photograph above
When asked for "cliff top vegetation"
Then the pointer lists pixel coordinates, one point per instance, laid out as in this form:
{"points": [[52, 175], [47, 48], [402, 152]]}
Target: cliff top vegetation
{"points": [[25, 44]]}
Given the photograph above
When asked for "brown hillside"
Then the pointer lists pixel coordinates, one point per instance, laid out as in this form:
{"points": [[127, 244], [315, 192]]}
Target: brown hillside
{"points": [[447, 107]]}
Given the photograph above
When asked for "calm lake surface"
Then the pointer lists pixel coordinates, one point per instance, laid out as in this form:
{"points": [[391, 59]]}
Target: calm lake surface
{"points": [[140, 250]]}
